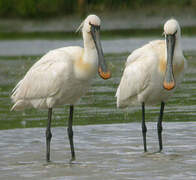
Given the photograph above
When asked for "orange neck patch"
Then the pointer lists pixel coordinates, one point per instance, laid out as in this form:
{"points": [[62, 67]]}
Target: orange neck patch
{"points": [[177, 67]]}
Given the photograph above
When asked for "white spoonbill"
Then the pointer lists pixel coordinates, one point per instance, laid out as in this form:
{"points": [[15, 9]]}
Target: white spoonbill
{"points": [[62, 76], [152, 73]]}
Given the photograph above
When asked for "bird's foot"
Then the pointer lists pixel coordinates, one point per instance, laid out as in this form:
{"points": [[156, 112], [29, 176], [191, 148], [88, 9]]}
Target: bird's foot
{"points": [[159, 151], [72, 160]]}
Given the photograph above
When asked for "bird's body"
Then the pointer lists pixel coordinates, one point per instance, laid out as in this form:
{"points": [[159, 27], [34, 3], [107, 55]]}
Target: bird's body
{"points": [[62, 76], [59, 77], [142, 80], [152, 74]]}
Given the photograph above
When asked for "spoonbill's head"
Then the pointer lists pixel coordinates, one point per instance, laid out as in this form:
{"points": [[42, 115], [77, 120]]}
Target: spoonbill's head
{"points": [[172, 32], [91, 20], [171, 27], [91, 26]]}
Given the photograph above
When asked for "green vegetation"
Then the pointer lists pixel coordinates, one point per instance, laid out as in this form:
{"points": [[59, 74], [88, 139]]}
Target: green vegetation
{"points": [[51, 8], [121, 33], [98, 106], [35, 8]]}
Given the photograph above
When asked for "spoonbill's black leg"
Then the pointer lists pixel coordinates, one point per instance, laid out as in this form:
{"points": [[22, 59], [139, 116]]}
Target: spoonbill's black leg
{"points": [[159, 126], [70, 132], [48, 135], [144, 129]]}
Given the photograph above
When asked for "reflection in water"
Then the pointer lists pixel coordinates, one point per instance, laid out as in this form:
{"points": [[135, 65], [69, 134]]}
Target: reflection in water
{"points": [[102, 151]]}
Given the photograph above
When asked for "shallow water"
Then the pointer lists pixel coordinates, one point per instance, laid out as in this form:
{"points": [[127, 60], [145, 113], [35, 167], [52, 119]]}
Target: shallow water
{"points": [[102, 151], [37, 47]]}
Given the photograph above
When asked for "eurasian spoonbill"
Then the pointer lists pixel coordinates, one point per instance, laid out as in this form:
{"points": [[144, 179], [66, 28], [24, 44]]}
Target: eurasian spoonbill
{"points": [[62, 76], [152, 73]]}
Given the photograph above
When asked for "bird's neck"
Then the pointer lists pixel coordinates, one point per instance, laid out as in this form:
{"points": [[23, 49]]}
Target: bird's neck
{"points": [[178, 50], [178, 59], [90, 52], [86, 67], [178, 53]]}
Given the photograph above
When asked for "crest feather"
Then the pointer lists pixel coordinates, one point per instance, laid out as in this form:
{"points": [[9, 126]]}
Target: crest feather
{"points": [[80, 27]]}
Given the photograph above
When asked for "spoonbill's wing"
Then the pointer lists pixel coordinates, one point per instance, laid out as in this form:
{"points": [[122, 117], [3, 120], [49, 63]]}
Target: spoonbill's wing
{"points": [[44, 79], [136, 78]]}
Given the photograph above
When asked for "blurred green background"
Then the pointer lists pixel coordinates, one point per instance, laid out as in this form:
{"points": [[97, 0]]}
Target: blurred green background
{"points": [[30, 28], [52, 8]]}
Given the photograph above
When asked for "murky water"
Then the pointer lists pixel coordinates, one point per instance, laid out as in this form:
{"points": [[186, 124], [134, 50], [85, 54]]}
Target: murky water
{"points": [[103, 151], [98, 106], [37, 47]]}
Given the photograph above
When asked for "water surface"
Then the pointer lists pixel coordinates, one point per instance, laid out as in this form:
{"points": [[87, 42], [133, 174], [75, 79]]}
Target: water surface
{"points": [[98, 106], [36, 47], [102, 151]]}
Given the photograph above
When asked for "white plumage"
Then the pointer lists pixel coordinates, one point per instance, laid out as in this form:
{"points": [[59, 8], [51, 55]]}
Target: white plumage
{"points": [[152, 74], [62, 76], [52, 81], [144, 73]]}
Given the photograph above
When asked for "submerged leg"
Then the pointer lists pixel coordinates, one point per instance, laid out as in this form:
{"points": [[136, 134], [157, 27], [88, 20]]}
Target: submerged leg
{"points": [[144, 129], [159, 126], [48, 135], [70, 132]]}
